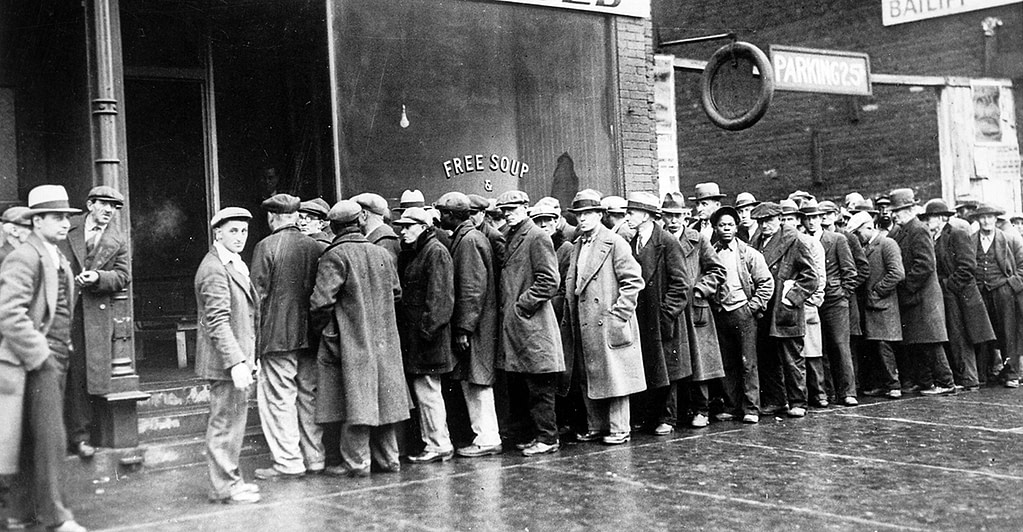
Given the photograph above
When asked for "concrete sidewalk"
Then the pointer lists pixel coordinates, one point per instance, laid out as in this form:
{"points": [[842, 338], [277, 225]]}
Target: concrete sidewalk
{"points": [[942, 463]]}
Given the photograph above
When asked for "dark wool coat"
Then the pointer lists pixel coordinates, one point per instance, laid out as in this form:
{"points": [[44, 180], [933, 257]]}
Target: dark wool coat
{"points": [[881, 308], [663, 329], [564, 254], [956, 258], [361, 379], [228, 319], [427, 303], [475, 312], [385, 237], [283, 271], [921, 305], [840, 268], [94, 329], [789, 260], [600, 330], [530, 336], [862, 273], [704, 273]]}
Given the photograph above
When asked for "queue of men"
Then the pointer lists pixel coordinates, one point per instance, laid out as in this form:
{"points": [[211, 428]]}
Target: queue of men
{"points": [[643, 315]]}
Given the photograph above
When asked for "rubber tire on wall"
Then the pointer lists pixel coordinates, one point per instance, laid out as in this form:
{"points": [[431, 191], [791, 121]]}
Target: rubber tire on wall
{"points": [[723, 56]]}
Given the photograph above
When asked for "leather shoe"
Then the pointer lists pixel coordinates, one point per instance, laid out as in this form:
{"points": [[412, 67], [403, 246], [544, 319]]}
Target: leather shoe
{"points": [[699, 421], [751, 419], [894, 394], [1012, 383], [474, 451], [429, 457], [84, 451], [271, 473], [771, 410], [663, 429], [238, 497], [850, 401], [592, 435], [797, 411], [540, 447], [69, 526], [525, 445], [938, 390], [617, 438], [724, 416]]}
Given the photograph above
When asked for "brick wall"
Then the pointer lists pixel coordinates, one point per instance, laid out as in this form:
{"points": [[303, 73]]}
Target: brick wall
{"points": [[866, 144], [637, 138]]}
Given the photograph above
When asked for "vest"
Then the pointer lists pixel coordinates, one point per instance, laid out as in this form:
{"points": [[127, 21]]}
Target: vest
{"points": [[59, 335], [989, 275]]}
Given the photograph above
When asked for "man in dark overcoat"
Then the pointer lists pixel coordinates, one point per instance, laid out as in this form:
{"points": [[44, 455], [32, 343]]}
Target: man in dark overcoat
{"points": [[966, 318], [780, 343], [361, 381], [312, 221], [531, 351], [424, 319], [283, 272], [922, 360], [37, 299], [662, 328], [999, 274], [372, 222], [473, 322], [98, 253]]}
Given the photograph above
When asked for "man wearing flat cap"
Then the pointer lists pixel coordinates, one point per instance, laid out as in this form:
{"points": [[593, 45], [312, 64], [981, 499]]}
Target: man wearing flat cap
{"points": [[478, 214], [225, 352], [283, 274], [361, 384], [37, 302], [999, 274], [15, 230], [98, 252], [373, 222], [312, 221]]}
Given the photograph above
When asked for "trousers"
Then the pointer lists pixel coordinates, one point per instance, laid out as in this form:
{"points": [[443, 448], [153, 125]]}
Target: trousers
{"points": [[287, 408], [433, 416], [225, 433]]}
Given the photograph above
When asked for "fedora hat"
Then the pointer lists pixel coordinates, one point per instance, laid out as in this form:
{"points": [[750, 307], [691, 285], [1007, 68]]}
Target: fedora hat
{"points": [[866, 206], [614, 204], [644, 201], [902, 198], [587, 200], [936, 207], [673, 203], [745, 199], [858, 220], [986, 210], [827, 206], [48, 198], [788, 207], [708, 191], [810, 207]]}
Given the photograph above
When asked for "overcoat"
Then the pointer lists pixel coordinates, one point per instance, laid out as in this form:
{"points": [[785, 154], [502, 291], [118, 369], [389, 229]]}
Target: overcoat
{"points": [[385, 237], [1008, 252], [789, 260], [663, 329], [109, 258], [28, 298], [5, 249], [754, 277], [228, 318], [921, 306], [426, 307], [361, 378], [704, 273], [600, 330], [283, 271], [475, 312], [840, 268], [956, 257], [881, 305], [530, 337], [862, 273]]}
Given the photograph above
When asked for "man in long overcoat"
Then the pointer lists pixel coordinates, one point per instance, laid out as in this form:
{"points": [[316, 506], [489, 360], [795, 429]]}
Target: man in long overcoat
{"points": [[922, 360], [780, 345], [473, 322], [829, 218], [600, 330], [372, 221], [361, 376], [966, 319], [312, 221], [881, 325], [37, 299], [283, 273], [659, 311], [98, 253], [531, 351], [225, 352], [424, 324]]}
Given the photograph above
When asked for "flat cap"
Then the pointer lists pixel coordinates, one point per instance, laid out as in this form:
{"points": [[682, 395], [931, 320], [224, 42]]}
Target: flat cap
{"points": [[478, 203], [16, 216], [316, 207], [230, 213], [344, 211], [853, 198], [551, 202], [644, 201], [108, 194], [281, 204], [453, 201], [414, 215], [614, 204], [541, 210], [512, 198], [586, 200], [857, 220], [766, 209], [374, 203]]}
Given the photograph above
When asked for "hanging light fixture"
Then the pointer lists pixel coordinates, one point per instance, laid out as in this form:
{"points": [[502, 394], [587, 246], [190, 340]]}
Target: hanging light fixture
{"points": [[404, 123]]}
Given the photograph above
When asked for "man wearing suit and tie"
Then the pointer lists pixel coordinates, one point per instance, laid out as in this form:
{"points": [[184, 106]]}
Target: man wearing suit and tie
{"points": [[98, 253]]}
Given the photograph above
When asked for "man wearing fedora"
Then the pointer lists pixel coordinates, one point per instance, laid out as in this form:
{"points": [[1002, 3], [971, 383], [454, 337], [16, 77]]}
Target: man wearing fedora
{"points": [[922, 362], [999, 274], [744, 204], [708, 199], [673, 215], [98, 252], [659, 310], [600, 331], [615, 217], [966, 318], [37, 301], [409, 198]]}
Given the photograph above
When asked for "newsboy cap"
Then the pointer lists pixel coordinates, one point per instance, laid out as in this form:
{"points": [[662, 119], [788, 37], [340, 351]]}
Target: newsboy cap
{"points": [[107, 194], [858, 220], [512, 198], [281, 204], [316, 207], [229, 213], [370, 202], [478, 203], [415, 215], [344, 212], [453, 201], [16, 216], [766, 209]]}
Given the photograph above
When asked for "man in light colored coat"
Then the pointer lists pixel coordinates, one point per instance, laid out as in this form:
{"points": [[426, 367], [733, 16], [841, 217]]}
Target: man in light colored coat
{"points": [[225, 352], [600, 330]]}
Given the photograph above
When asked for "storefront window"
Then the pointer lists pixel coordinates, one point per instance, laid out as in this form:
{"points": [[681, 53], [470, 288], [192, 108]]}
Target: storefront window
{"points": [[472, 96]]}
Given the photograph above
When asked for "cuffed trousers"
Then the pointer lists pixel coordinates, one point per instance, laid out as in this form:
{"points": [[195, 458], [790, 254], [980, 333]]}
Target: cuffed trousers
{"points": [[479, 401], [287, 408], [433, 416], [225, 432], [362, 444]]}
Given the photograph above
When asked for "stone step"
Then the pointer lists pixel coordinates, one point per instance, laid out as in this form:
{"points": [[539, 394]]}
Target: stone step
{"points": [[182, 422], [175, 395]]}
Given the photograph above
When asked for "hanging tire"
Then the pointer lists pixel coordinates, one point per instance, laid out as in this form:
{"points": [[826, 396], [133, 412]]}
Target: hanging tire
{"points": [[724, 56]]}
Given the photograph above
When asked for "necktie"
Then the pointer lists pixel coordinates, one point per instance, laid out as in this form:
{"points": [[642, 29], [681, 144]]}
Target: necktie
{"points": [[94, 234]]}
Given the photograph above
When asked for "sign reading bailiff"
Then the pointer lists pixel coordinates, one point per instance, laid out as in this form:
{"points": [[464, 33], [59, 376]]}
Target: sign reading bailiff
{"points": [[902, 11], [627, 8], [480, 163], [823, 71]]}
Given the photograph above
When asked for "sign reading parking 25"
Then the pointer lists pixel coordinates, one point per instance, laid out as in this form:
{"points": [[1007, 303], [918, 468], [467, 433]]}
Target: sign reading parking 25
{"points": [[902, 11], [821, 71]]}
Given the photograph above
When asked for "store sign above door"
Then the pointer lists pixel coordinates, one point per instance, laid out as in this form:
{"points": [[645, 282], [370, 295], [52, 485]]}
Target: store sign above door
{"points": [[901, 11], [822, 71], [626, 8]]}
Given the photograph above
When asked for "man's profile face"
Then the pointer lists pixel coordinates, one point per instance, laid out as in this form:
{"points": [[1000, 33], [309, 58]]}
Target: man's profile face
{"points": [[232, 234], [706, 207], [770, 226], [636, 217], [514, 214], [101, 211], [410, 232], [588, 220], [51, 226]]}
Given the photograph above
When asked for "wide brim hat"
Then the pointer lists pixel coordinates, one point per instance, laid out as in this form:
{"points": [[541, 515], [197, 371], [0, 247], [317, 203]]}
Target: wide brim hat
{"points": [[727, 209], [107, 194], [587, 200], [706, 191], [673, 203], [745, 199], [788, 206], [49, 198], [810, 207], [644, 201], [936, 207], [902, 198], [986, 210]]}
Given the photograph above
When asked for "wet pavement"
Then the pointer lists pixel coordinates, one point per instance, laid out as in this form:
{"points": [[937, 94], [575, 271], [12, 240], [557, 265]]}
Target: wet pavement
{"points": [[938, 463]]}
